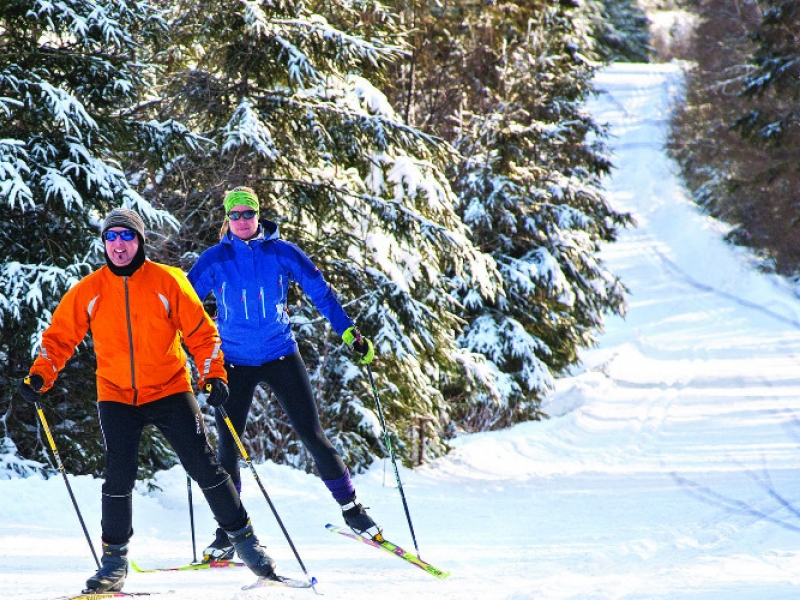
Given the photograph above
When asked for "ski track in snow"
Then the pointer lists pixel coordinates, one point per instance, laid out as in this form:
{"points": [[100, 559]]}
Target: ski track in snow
{"points": [[669, 468]]}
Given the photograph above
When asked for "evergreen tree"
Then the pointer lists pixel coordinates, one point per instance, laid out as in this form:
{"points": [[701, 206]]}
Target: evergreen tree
{"points": [[735, 135], [509, 94], [775, 73], [621, 31], [287, 95], [73, 83]]}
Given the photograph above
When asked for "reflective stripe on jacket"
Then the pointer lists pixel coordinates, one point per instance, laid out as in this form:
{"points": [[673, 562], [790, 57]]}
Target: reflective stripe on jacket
{"points": [[138, 326]]}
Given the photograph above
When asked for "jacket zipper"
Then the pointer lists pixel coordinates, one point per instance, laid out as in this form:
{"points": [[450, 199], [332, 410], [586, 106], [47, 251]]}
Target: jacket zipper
{"points": [[130, 342], [244, 299]]}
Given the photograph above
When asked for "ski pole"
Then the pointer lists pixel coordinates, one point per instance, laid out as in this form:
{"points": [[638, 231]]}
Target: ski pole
{"points": [[246, 457], [191, 516], [391, 455], [64, 474]]}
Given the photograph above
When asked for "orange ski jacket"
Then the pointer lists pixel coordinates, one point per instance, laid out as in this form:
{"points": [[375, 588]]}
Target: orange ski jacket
{"points": [[139, 325]]}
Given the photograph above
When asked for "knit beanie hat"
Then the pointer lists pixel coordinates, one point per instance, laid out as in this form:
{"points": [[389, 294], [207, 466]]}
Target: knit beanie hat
{"points": [[124, 217], [241, 196]]}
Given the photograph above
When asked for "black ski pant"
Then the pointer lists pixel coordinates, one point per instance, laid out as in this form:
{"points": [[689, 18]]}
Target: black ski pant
{"points": [[179, 419], [288, 379]]}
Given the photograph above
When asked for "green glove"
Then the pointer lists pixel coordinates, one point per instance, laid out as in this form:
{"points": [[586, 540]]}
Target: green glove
{"points": [[360, 344]]}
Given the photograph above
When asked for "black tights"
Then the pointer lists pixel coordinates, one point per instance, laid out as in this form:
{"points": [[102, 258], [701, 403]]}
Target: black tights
{"points": [[179, 419], [288, 380]]}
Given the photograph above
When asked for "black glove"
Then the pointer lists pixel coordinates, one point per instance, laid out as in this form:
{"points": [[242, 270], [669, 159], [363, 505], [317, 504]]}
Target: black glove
{"points": [[217, 392], [29, 388]]}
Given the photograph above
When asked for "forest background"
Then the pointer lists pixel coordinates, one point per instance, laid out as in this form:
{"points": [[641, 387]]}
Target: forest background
{"points": [[434, 159]]}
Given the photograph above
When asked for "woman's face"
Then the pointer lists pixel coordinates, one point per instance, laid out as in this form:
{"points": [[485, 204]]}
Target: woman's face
{"points": [[243, 228], [121, 251]]}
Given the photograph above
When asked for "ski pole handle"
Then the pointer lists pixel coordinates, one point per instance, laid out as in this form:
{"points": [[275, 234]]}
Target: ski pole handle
{"points": [[46, 427]]}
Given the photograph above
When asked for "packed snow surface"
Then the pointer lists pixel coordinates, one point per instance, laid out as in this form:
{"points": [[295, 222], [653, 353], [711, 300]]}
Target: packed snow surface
{"points": [[668, 469]]}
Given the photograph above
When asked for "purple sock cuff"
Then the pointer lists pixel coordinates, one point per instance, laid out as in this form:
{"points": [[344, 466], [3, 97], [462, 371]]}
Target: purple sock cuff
{"points": [[341, 489], [238, 486]]}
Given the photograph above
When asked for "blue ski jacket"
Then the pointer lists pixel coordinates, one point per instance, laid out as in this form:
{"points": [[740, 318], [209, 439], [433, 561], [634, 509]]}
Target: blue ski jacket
{"points": [[250, 281]]}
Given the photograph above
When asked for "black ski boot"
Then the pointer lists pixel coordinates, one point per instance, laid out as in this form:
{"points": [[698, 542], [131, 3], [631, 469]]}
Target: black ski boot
{"points": [[252, 554], [220, 549], [359, 521], [113, 570]]}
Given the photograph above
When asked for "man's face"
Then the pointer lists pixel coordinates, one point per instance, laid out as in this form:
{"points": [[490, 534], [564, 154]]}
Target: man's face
{"points": [[121, 251]]}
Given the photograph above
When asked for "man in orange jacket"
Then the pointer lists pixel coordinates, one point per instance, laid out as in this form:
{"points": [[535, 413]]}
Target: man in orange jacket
{"points": [[140, 314]]}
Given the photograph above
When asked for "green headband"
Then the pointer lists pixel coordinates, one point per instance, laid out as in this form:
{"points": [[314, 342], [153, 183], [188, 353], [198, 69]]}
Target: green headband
{"points": [[241, 198]]}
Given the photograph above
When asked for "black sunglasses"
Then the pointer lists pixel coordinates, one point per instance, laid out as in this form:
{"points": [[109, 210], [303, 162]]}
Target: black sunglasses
{"points": [[126, 234], [235, 215]]}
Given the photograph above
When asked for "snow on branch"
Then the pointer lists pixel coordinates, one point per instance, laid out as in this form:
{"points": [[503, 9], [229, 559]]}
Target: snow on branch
{"points": [[151, 214], [502, 338], [551, 274], [301, 71], [95, 173], [375, 100], [83, 20], [13, 166], [6, 103], [57, 186], [255, 19], [13, 466], [66, 108], [22, 285], [246, 128], [349, 47]]}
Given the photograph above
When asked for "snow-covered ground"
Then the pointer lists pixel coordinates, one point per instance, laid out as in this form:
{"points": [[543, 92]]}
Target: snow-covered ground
{"points": [[669, 468]]}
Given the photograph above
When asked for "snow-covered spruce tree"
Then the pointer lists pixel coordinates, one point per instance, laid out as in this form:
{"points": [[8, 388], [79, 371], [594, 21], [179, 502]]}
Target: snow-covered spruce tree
{"points": [[775, 75], [620, 29], [772, 126], [287, 92], [735, 135], [510, 97], [71, 76]]}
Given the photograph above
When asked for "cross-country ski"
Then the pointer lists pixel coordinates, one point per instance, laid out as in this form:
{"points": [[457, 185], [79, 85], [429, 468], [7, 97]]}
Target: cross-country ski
{"points": [[392, 549], [198, 566], [103, 595]]}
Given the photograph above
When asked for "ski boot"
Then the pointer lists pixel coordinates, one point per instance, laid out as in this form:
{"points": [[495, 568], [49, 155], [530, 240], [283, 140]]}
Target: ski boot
{"points": [[220, 549], [252, 554], [359, 521], [113, 570]]}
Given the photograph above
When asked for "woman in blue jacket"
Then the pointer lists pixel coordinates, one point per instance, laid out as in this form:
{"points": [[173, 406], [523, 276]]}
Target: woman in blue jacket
{"points": [[249, 272]]}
